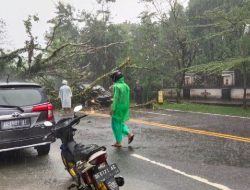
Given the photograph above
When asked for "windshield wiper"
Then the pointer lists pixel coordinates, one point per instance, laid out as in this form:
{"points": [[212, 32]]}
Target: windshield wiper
{"points": [[9, 106]]}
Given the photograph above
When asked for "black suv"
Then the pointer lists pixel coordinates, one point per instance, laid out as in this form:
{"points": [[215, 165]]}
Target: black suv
{"points": [[24, 107]]}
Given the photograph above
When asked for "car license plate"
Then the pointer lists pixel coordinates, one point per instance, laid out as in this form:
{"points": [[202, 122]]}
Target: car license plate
{"points": [[106, 173], [15, 123]]}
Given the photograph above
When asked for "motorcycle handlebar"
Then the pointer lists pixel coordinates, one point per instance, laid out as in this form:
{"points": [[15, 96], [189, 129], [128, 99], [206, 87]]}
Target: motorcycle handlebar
{"points": [[75, 120]]}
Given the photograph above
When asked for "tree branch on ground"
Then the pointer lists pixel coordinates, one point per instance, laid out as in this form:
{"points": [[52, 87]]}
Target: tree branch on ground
{"points": [[148, 104], [106, 75]]}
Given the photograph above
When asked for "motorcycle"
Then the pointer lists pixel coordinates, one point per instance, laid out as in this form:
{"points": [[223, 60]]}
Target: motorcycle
{"points": [[87, 164]]}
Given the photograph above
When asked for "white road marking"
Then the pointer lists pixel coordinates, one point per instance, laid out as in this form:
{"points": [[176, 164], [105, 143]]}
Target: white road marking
{"points": [[214, 114], [152, 113], [197, 178]]}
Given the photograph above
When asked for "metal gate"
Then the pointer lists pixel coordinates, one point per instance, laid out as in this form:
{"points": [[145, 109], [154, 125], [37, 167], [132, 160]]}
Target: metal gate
{"points": [[226, 93], [186, 93]]}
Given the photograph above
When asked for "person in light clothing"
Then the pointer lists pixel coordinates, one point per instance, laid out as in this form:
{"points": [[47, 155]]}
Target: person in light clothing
{"points": [[65, 95]]}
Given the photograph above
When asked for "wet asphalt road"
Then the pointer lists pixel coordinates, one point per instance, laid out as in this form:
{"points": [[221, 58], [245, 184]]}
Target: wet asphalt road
{"points": [[225, 163]]}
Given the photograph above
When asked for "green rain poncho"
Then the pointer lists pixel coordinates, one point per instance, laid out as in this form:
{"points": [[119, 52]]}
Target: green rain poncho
{"points": [[120, 108], [121, 101]]}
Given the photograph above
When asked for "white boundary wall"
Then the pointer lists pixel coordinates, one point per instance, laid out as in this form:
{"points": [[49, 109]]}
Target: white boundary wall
{"points": [[209, 93], [238, 93], [205, 93]]}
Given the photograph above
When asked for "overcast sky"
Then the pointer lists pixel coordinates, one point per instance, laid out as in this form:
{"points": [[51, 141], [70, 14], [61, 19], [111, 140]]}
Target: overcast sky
{"points": [[13, 12]]}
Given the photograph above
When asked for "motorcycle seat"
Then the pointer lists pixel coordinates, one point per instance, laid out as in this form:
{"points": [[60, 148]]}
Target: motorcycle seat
{"points": [[83, 152]]}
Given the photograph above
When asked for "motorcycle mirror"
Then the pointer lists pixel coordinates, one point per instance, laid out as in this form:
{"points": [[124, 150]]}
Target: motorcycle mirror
{"points": [[78, 108], [48, 123]]}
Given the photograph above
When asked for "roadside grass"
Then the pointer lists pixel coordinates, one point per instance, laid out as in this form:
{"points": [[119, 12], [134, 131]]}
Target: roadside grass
{"points": [[194, 107]]}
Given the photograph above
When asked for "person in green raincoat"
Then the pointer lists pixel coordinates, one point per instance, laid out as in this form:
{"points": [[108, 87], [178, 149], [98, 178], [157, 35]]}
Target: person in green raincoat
{"points": [[120, 109]]}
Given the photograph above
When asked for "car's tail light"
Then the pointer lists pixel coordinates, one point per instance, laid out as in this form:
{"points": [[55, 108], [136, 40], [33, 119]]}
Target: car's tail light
{"points": [[50, 112], [45, 107]]}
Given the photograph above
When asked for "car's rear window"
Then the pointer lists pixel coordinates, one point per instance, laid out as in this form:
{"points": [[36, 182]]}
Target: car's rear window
{"points": [[21, 96]]}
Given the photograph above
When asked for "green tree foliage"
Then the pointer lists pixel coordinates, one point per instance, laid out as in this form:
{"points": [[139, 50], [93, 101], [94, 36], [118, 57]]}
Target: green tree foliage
{"points": [[99, 33], [176, 47], [70, 41], [228, 25], [144, 52], [208, 35], [214, 27]]}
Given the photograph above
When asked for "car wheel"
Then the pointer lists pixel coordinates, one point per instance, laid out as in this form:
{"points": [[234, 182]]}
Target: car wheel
{"points": [[43, 150]]}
